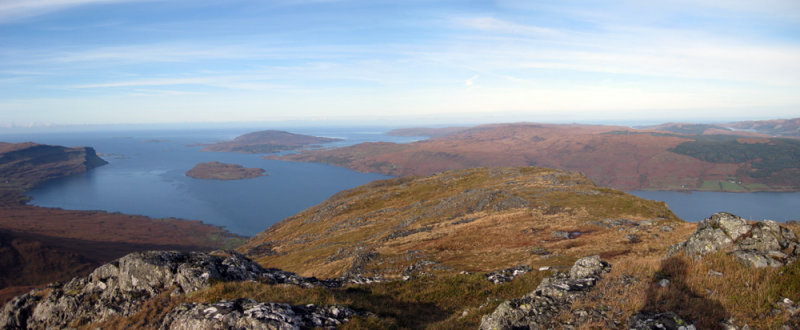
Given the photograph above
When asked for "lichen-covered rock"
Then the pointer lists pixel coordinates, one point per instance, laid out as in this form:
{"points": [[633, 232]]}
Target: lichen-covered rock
{"points": [[508, 274], [666, 320], [537, 310], [761, 244], [120, 287], [248, 314]]}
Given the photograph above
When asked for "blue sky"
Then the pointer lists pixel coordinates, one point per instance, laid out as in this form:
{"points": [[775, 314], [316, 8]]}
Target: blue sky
{"points": [[73, 62]]}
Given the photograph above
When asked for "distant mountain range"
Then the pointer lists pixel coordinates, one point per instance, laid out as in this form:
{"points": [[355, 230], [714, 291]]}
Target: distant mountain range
{"points": [[663, 157]]}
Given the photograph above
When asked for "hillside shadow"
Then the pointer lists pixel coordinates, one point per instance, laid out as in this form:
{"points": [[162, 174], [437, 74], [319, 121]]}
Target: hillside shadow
{"points": [[403, 313], [680, 298]]}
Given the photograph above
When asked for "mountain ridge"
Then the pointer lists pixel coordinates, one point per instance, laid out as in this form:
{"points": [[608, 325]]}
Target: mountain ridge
{"points": [[612, 156]]}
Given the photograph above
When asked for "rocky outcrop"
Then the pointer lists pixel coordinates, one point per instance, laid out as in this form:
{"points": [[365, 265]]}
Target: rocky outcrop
{"points": [[760, 244], [508, 274], [120, 288], [537, 310], [666, 320], [248, 314]]}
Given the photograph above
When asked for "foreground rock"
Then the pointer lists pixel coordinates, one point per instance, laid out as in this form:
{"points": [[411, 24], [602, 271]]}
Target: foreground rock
{"points": [[248, 314], [761, 244], [538, 309], [121, 287]]}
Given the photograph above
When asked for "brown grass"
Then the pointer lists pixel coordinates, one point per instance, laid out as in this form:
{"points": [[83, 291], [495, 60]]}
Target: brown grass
{"points": [[746, 294]]}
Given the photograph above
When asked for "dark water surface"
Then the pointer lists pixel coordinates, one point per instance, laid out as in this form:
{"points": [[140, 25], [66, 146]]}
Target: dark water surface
{"points": [[145, 175]]}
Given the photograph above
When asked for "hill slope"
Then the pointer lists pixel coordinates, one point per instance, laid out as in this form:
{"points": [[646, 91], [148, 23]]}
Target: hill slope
{"points": [[474, 220], [611, 156]]}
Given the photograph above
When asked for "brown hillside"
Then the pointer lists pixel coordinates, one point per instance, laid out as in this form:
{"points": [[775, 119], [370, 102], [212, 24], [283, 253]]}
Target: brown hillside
{"points": [[474, 220], [612, 156]]}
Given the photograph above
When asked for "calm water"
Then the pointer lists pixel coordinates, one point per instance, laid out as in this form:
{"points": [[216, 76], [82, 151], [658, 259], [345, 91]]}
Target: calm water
{"points": [[699, 205], [145, 175]]}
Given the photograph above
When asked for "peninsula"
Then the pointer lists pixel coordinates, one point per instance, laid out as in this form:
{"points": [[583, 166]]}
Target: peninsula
{"points": [[223, 171]]}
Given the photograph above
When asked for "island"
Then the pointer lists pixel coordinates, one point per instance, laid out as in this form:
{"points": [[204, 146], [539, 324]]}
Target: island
{"points": [[269, 141], [223, 171]]}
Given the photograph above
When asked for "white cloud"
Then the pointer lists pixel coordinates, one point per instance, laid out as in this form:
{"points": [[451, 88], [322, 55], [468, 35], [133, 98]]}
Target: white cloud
{"points": [[13, 10], [471, 81]]}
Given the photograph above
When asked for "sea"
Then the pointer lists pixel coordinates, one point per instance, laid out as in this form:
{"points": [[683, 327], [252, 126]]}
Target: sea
{"points": [[146, 176]]}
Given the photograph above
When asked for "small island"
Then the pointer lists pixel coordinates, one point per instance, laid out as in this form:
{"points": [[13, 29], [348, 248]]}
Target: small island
{"points": [[223, 171], [267, 142]]}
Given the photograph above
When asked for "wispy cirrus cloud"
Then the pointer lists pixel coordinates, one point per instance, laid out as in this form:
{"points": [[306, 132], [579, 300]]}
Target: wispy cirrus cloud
{"points": [[13, 10]]}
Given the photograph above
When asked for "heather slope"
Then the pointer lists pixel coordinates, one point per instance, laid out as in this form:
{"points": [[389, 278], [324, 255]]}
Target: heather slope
{"points": [[612, 156], [474, 220]]}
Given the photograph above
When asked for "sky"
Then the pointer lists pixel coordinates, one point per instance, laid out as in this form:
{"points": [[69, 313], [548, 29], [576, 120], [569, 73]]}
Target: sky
{"points": [[78, 62]]}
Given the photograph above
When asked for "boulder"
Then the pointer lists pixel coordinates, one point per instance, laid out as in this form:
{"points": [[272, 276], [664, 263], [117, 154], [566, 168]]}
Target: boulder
{"points": [[760, 244]]}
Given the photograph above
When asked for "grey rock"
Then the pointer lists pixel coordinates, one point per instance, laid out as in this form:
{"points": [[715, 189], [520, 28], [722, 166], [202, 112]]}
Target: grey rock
{"points": [[537, 309], [120, 288], [763, 244], [248, 314], [667, 228], [663, 283], [587, 267], [508, 274], [649, 320], [633, 238], [712, 272]]}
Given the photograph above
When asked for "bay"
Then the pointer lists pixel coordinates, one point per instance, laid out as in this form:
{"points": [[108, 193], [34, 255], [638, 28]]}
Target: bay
{"points": [[146, 175]]}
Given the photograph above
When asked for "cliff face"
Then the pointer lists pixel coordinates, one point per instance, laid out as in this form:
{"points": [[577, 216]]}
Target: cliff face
{"points": [[25, 165]]}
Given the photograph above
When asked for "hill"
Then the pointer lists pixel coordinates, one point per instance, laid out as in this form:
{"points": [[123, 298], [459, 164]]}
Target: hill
{"points": [[789, 128], [269, 141], [41, 245], [612, 156], [470, 220]]}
